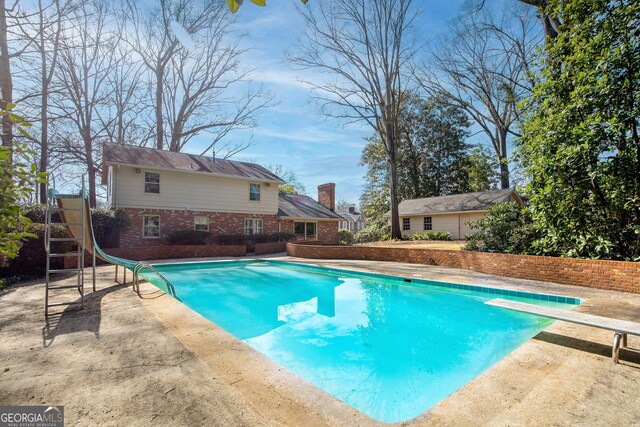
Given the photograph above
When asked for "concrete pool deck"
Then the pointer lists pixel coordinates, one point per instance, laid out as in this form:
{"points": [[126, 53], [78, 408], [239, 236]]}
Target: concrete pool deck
{"points": [[125, 360]]}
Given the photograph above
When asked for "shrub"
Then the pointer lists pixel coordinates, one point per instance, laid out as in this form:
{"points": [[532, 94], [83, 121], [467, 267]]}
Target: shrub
{"points": [[188, 237], [371, 235], [243, 239], [507, 228], [432, 235], [230, 239], [32, 258], [38, 213], [345, 237], [281, 236], [107, 223]]}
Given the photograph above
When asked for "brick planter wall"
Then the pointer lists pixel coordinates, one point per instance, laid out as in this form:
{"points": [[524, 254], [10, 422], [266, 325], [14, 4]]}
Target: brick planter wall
{"points": [[269, 248], [165, 252], [601, 274]]}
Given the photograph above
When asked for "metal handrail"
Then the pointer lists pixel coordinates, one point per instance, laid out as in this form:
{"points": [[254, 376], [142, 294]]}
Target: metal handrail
{"points": [[142, 265]]}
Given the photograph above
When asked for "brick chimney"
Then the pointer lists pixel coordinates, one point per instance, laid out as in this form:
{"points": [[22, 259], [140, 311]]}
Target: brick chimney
{"points": [[327, 196], [352, 210]]}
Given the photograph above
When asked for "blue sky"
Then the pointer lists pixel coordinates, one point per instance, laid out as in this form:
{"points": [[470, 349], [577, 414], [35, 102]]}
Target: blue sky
{"points": [[293, 133]]}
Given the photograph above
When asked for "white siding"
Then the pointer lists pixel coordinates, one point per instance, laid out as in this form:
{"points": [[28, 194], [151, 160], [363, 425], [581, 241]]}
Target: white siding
{"points": [[453, 223], [192, 191]]}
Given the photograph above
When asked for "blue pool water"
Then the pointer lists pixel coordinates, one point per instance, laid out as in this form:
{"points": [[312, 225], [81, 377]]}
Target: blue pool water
{"points": [[389, 348]]}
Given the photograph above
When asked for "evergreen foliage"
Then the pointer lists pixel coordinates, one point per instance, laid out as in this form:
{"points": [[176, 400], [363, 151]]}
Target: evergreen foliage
{"points": [[581, 143]]}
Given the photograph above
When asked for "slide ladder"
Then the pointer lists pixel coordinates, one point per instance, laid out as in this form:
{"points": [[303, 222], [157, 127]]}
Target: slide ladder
{"points": [[51, 290], [75, 216]]}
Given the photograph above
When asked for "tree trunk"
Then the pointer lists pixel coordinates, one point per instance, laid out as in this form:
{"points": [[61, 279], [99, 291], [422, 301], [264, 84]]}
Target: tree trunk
{"points": [[502, 157], [504, 173], [91, 170], [396, 233], [158, 106], [6, 84], [390, 143], [44, 140]]}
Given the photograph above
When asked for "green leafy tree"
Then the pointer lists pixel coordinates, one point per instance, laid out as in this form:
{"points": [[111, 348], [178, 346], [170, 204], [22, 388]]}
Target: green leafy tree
{"points": [[507, 228], [374, 200], [581, 144], [481, 170], [17, 180], [432, 157], [432, 150], [292, 184]]}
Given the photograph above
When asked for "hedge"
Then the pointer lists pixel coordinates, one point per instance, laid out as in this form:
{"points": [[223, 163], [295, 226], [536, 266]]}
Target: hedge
{"points": [[31, 260]]}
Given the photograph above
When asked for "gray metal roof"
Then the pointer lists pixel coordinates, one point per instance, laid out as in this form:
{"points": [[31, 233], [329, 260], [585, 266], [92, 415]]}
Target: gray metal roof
{"points": [[480, 201], [299, 206], [152, 158]]}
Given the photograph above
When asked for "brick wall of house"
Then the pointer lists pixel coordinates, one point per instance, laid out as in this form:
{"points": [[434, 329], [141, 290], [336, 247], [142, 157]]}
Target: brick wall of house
{"points": [[172, 220], [601, 274], [328, 231], [286, 226]]}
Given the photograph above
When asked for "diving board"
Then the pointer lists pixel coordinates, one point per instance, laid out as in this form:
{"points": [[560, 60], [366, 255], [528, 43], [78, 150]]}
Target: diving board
{"points": [[620, 327]]}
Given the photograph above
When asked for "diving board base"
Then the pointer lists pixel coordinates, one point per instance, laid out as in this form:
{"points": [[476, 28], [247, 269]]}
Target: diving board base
{"points": [[621, 328]]}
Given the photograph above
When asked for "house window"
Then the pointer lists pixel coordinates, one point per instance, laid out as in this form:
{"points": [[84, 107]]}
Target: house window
{"points": [[152, 182], [254, 192], [151, 226], [201, 223], [305, 230], [406, 224], [428, 223], [252, 226]]}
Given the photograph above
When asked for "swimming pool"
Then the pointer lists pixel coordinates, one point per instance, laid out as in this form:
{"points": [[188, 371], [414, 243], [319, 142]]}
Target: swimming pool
{"points": [[390, 348]]}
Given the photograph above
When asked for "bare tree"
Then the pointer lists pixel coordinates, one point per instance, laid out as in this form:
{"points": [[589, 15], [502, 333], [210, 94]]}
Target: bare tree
{"points": [[126, 116], [363, 48], [197, 99], [6, 82], [86, 61], [482, 68], [40, 29], [153, 37]]}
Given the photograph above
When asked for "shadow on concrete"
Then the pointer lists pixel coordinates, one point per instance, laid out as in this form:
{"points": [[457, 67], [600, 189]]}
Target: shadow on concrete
{"points": [[72, 319], [630, 355]]}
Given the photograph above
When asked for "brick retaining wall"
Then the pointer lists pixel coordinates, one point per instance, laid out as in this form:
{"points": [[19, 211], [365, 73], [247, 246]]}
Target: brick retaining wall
{"points": [[269, 248], [601, 274], [178, 251], [147, 253]]}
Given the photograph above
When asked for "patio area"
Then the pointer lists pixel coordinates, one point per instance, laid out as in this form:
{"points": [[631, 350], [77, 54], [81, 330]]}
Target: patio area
{"points": [[126, 360]]}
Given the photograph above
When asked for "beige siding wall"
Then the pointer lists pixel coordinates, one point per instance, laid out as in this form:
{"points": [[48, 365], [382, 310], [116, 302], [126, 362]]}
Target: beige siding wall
{"points": [[453, 223], [192, 191], [470, 217]]}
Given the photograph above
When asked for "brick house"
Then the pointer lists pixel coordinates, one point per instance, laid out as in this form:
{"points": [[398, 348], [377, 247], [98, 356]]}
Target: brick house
{"points": [[164, 192]]}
